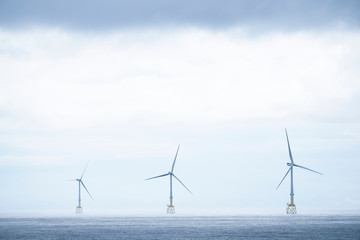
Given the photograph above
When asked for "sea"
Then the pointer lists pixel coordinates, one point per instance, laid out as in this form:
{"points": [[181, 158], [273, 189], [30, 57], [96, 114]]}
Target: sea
{"points": [[183, 227]]}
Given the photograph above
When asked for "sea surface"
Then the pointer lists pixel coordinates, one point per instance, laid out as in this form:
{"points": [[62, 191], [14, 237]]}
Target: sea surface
{"points": [[175, 227]]}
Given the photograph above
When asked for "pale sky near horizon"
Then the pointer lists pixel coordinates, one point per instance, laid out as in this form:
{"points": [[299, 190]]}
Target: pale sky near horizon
{"points": [[121, 83]]}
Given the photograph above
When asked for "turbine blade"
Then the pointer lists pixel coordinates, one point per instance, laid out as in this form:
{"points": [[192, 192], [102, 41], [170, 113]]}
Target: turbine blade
{"points": [[172, 168], [86, 189], [307, 169], [182, 184], [284, 177], [290, 155], [84, 170], [157, 176]]}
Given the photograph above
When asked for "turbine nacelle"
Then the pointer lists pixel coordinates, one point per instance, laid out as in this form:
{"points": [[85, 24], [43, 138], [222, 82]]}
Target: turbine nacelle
{"points": [[289, 164]]}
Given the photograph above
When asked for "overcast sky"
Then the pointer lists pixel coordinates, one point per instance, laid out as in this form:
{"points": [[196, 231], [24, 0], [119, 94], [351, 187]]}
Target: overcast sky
{"points": [[122, 83]]}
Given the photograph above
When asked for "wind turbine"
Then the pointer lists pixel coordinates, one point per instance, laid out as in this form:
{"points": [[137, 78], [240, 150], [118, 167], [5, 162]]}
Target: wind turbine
{"points": [[80, 181], [291, 208], [170, 207]]}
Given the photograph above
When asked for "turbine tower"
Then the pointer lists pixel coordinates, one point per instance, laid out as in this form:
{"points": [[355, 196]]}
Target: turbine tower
{"points": [[291, 208], [79, 180], [170, 207]]}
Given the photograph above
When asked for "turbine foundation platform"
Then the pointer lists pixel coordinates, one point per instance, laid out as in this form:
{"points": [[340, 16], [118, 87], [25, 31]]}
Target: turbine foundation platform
{"points": [[170, 209], [291, 209], [79, 210]]}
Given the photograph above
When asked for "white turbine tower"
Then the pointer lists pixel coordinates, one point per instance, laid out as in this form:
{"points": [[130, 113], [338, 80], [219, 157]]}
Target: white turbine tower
{"points": [[291, 208], [79, 180], [170, 207]]}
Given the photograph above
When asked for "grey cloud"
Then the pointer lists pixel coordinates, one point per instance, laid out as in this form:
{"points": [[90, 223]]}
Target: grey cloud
{"points": [[111, 14]]}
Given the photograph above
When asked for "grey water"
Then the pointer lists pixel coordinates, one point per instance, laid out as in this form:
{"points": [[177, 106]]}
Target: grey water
{"points": [[175, 227]]}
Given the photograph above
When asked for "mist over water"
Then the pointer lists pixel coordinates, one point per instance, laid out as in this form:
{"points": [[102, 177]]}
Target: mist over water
{"points": [[175, 227]]}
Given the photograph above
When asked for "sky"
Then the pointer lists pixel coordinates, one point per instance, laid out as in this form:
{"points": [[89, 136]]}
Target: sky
{"points": [[119, 84]]}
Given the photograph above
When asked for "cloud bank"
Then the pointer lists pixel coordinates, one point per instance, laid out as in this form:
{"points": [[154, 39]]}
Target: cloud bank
{"points": [[106, 15]]}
